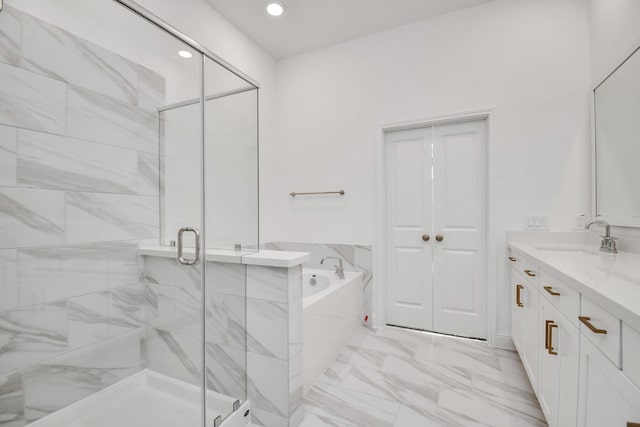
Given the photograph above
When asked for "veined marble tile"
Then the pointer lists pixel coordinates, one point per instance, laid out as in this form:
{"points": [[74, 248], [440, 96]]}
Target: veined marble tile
{"points": [[267, 419], [226, 320], [127, 309], [103, 217], [268, 283], [31, 101], [56, 53], [174, 355], [8, 136], [161, 306], [31, 217], [296, 393], [11, 400], [88, 319], [227, 370], [226, 278], [31, 334], [295, 283], [266, 390], [160, 271], [148, 174], [57, 162], [295, 327], [267, 324], [151, 89], [333, 402], [59, 272], [95, 117], [188, 320], [471, 407], [188, 276], [66, 379], [10, 35], [8, 279]]}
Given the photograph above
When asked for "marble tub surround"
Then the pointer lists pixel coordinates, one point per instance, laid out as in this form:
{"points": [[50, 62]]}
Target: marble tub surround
{"points": [[610, 280], [396, 377], [78, 192], [358, 258], [274, 344]]}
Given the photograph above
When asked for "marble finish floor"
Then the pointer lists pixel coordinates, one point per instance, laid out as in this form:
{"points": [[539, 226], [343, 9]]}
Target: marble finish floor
{"points": [[402, 378]]}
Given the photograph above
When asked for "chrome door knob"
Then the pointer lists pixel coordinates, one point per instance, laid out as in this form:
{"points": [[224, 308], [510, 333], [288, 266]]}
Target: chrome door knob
{"points": [[439, 238], [426, 237]]}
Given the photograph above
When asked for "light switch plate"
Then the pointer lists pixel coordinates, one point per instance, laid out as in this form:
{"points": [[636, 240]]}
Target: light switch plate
{"points": [[537, 222]]}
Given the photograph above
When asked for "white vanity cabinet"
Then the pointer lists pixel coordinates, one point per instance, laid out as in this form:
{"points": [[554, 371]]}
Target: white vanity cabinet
{"points": [[558, 376], [607, 397], [524, 315], [582, 360]]}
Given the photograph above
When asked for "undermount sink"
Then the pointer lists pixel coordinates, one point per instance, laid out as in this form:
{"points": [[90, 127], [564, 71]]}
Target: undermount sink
{"points": [[575, 250]]}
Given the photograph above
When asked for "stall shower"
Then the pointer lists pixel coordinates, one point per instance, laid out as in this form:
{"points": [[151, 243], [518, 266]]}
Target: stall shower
{"points": [[108, 117]]}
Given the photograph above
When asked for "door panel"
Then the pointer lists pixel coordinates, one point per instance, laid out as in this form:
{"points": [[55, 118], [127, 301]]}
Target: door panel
{"points": [[459, 216], [436, 185], [409, 257]]}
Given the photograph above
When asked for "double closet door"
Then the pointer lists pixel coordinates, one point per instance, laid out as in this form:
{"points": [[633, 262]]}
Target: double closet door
{"points": [[436, 232]]}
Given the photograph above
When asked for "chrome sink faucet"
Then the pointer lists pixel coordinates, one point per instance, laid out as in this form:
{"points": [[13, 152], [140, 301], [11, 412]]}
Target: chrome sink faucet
{"points": [[608, 243], [339, 269]]}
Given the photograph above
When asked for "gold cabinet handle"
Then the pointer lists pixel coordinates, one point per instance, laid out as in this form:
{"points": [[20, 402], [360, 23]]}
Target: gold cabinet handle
{"points": [[426, 237], [530, 273], [551, 291], [551, 350], [439, 237], [546, 333], [587, 323], [518, 289], [513, 259]]}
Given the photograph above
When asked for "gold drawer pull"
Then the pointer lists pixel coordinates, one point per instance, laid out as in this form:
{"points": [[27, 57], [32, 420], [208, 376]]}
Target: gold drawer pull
{"points": [[551, 291], [552, 325], [546, 333], [587, 323], [530, 273], [513, 259], [518, 289]]}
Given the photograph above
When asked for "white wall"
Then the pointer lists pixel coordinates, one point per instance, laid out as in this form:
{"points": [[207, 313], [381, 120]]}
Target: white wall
{"points": [[529, 60]]}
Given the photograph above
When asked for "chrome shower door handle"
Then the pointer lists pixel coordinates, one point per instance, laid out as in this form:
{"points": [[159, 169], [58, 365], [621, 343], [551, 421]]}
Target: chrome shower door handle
{"points": [[182, 259]]}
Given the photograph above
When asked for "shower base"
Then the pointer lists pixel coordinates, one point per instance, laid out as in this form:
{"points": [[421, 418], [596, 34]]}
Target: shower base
{"points": [[146, 399]]}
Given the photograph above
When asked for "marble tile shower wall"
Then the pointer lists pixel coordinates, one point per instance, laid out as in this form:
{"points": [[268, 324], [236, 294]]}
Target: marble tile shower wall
{"points": [[354, 258], [78, 190]]}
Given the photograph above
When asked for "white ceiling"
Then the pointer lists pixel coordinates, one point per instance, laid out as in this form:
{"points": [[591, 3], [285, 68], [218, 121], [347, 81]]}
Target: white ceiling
{"points": [[312, 24]]}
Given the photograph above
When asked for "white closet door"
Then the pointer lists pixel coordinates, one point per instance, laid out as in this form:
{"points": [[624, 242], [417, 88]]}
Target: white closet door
{"points": [[459, 195], [409, 257]]}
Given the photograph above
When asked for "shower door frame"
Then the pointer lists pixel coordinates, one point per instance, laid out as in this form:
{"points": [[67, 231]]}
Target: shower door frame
{"points": [[204, 54]]}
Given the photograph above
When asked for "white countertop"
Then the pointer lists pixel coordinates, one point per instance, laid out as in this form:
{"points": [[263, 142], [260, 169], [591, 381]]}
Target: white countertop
{"points": [[610, 280], [284, 259]]}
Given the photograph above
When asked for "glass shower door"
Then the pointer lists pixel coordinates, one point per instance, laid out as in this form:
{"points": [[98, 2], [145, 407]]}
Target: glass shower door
{"points": [[100, 324]]}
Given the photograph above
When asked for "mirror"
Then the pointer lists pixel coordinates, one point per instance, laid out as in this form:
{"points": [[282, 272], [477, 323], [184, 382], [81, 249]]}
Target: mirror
{"points": [[617, 144]]}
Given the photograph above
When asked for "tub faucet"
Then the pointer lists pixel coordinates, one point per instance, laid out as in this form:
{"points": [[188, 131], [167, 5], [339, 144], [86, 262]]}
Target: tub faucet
{"points": [[608, 243], [339, 269]]}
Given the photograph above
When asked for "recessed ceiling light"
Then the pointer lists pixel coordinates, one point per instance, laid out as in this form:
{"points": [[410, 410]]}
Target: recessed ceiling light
{"points": [[275, 8], [185, 54]]}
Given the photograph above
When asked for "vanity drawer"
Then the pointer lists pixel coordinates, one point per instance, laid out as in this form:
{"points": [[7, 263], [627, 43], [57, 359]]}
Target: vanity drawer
{"points": [[631, 353], [601, 328], [515, 259], [561, 295]]}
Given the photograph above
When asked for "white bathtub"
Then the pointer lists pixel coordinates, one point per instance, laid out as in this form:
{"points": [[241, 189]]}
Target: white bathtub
{"points": [[332, 311]]}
